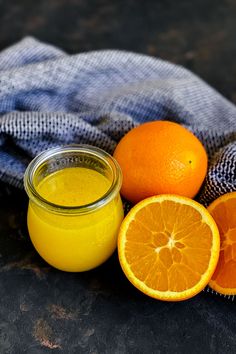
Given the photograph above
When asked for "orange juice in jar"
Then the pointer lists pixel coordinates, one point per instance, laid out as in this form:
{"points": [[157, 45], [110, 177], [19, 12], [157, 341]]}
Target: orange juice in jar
{"points": [[75, 209]]}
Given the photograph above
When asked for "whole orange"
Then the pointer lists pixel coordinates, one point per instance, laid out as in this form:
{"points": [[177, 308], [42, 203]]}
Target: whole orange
{"points": [[160, 157]]}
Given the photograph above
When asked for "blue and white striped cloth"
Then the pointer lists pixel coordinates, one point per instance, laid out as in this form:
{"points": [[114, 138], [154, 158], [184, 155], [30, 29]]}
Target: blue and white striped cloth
{"points": [[49, 98]]}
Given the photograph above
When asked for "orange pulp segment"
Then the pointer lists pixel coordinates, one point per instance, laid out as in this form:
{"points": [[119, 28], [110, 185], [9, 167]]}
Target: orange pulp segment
{"points": [[223, 211], [168, 247]]}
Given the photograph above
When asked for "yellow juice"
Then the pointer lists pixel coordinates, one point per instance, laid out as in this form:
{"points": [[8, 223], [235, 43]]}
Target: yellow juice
{"points": [[69, 241]]}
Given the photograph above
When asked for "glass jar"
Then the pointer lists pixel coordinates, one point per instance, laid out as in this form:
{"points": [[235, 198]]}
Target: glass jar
{"points": [[71, 237]]}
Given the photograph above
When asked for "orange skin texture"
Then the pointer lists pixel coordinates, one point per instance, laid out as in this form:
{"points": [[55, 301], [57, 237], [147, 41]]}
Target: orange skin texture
{"points": [[160, 157]]}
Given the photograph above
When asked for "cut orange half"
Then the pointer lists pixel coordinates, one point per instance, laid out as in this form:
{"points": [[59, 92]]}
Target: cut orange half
{"points": [[223, 211], [168, 247]]}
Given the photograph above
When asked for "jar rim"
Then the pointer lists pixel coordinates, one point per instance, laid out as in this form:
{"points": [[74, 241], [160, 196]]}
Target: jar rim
{"points": [[35, 164]]}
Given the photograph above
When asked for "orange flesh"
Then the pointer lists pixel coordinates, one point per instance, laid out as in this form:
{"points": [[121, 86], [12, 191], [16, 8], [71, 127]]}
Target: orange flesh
{"points": [[225, 217], [172, 246]]}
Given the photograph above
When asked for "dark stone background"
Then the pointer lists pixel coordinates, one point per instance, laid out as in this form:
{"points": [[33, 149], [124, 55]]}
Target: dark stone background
{"points": [[43, 310]]}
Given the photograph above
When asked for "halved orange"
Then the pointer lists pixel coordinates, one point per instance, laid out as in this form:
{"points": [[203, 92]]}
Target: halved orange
{"points": [[223, 211], [168, 247]]}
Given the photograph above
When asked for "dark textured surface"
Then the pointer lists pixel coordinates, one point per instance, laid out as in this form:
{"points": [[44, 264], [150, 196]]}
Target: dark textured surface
{"points": [[200, 34], [43, 310]]}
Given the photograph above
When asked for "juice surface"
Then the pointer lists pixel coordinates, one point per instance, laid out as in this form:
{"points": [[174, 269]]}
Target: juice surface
{"points": [[73, 186], [75, 242]]}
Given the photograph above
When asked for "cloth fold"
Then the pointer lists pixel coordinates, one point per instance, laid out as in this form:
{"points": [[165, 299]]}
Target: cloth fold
{"points": [[49, 98]]}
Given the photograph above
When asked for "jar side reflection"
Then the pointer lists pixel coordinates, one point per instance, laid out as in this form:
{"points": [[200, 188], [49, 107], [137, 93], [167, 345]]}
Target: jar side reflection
{"points": [[75, 243]]}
